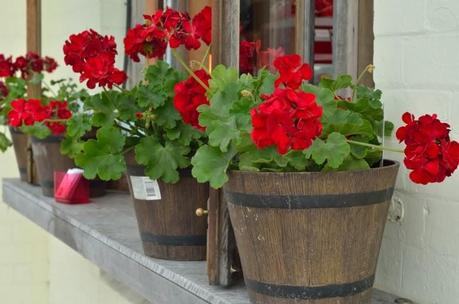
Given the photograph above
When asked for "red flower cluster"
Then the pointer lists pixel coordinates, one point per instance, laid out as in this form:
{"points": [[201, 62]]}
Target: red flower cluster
{"points": [[292, 71], [3, 90], [28, 112], [168, 27], [93, 56], [189, 95], [288, 119], [251, 56], [28, 64], [429, 151], [6, 66]]}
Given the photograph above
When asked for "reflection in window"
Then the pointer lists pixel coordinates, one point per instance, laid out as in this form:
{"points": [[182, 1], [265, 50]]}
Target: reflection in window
{"points": [[267, 31]]}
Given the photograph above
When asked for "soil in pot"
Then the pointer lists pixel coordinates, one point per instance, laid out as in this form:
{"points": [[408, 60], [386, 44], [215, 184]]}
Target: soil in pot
{"points": [[169, 227], [310, 237], [48, 159], [23, 151]]}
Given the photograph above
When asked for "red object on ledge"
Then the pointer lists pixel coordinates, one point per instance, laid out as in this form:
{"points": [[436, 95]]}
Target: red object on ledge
{"points": [[71, 187]]}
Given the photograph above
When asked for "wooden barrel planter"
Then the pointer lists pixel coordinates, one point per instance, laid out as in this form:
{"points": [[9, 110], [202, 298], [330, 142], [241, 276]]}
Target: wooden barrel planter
{"points": [[310, 237], [23, 151], [48, 159], [169, 227]]}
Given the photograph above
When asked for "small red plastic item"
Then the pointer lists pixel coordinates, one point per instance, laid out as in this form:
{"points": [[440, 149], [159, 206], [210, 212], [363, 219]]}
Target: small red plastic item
{"points": [[71, 187]]}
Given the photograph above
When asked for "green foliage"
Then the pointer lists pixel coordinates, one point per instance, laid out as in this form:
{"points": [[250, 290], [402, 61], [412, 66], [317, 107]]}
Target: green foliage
{"points": [[228, 126], [162, 142], [103, 155], [210, 164], [162, 161], [332, 151], [38, 130], [5, 143]]}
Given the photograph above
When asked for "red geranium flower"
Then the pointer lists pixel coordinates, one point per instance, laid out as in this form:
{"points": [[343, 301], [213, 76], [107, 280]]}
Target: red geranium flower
{"points": [[189, 95], [429, 152], [50, 64], [58, 109], [100, 71], [20, 63], [3, 90], [26, 112], [34, 61], [292, 71], [203, 24], [288, 119], [148, 41], [168, 27], [6, 66], [79, 48]]}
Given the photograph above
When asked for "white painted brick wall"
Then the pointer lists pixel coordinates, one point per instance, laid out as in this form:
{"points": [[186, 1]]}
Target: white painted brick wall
{"points": [[417, 67]]}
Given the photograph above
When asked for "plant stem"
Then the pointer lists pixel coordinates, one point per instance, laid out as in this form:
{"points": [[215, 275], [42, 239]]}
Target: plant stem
{"points": [[201, 66], [192, 74], [205, 55], [382, 148], [55, 120]]}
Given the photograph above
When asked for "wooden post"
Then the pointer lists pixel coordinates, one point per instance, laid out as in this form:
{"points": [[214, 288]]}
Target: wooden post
{"points": [[305, 30], [366, 39], [221, 242], [345, 23], [353, 37], [34, 39]]}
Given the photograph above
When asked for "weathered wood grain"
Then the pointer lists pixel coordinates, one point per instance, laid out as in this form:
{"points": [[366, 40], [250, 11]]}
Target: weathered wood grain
{"points": [[169, 227], [310, 238]]}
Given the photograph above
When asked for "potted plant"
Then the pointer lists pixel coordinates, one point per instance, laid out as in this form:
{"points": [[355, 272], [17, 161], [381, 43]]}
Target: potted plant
{"points": [[141, 131], [303, 175], [17, 74], [48, 122]]}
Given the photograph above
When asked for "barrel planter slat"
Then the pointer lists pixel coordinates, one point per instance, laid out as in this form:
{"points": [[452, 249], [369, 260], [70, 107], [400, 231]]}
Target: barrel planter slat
{"points": [[26, 165], [169, 227], [48, 159], [310, 237]]}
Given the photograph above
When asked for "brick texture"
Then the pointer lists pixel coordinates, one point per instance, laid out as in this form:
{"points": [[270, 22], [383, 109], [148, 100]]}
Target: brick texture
{"points": [[417, 67]]}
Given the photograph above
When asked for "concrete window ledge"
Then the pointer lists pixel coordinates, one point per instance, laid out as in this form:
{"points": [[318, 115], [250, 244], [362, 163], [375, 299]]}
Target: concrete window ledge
{"points": [[105, 232]]}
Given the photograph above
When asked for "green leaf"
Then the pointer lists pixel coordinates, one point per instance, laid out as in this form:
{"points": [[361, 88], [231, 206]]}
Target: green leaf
{"points": [[221, 76], [103, 156], [78, 125], [161, 161], [257, 159], [104, 109], [38, 130], [36, 79], [333, 151], [350, 164], [71, 147], [4, 142], [167, 116], [346, 122], [341, 82], [267, 80], [210, 165]]}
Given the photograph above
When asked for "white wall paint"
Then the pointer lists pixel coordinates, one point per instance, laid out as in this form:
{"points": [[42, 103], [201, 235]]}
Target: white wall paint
{"points": [[36, 268], [417, 67]]}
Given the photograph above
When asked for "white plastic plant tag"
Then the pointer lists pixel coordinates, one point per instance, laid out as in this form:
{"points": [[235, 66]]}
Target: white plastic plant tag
{"points": [[144, 188]]}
